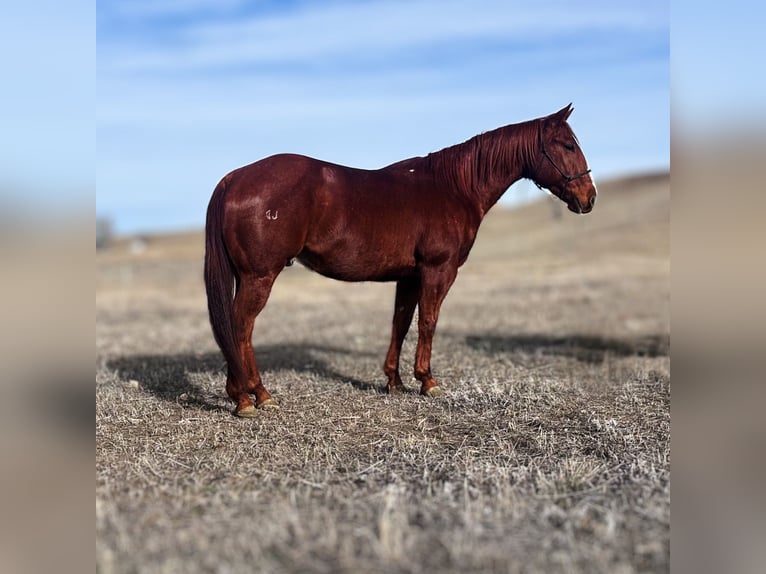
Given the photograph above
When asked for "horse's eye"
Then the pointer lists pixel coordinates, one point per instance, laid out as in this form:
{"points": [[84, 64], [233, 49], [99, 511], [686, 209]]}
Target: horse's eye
{"points": [[569, 146]]}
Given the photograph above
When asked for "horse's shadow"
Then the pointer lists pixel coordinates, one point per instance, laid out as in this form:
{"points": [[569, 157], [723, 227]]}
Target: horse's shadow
{"points": [[584, 348], [170, 376]]}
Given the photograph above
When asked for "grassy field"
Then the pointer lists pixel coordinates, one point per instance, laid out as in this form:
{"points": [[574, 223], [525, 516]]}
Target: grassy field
{"points": [[549, 453]]}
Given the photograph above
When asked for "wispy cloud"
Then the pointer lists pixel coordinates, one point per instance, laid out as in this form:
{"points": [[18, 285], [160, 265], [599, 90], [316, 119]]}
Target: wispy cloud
{"points": [[366, 31]]}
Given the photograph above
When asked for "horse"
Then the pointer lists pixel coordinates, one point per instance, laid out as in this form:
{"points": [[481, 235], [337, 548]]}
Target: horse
{"points": [[413, 222]]}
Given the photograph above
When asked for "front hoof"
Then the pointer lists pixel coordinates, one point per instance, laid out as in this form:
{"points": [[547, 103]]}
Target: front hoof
{"points": [[269, 405], [247, 412], [433, 392], [395, 389]]}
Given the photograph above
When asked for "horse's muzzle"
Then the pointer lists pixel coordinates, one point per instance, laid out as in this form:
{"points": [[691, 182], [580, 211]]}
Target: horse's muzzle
{"points": [[576, 206]]}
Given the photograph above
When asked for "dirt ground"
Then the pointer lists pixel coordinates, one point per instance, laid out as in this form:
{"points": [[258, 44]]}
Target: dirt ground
{"points": [[549, 452]]}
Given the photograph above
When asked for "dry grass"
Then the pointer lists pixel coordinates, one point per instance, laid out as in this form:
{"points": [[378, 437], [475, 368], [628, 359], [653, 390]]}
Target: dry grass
{"points": [[549, 452]]}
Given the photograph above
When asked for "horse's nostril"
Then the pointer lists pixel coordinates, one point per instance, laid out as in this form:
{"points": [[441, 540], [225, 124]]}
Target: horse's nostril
{"points": [[592, 200]]}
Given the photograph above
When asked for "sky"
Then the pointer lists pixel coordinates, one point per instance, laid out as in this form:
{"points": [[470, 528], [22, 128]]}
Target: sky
{"points": [[188, 90]]}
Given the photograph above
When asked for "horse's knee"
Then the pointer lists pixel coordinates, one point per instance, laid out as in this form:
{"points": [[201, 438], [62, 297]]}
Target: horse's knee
{"points": [[427, 326]]}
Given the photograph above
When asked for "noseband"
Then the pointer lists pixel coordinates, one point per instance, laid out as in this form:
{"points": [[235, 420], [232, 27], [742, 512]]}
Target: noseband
{"points": [[567, 178]]}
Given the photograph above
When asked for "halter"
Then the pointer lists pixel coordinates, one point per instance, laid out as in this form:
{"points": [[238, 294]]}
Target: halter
{"points": [[567, 178]]}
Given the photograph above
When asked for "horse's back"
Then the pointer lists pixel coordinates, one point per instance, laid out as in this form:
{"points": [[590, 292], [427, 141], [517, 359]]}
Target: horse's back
{"points": [[270, 173]]}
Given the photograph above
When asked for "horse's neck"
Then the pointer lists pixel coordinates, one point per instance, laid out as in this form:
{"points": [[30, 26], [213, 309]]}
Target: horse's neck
{"points": [[485, 166]]}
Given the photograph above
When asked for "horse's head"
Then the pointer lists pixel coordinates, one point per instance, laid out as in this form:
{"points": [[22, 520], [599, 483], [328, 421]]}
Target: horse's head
{"points": [[560, 165]]}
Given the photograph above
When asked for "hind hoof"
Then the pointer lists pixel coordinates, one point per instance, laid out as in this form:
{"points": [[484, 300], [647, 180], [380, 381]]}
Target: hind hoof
{"points": [[247, 412], [395, 389], [434, 392], [269, 405]]}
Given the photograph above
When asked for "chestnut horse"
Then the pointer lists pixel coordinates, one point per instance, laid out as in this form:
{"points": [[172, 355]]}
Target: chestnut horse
{"points": [[413, 222]]}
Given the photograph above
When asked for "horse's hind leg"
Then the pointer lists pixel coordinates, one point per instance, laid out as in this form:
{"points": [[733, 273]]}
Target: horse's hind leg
{"points": [[404, 307], [251, 297]]}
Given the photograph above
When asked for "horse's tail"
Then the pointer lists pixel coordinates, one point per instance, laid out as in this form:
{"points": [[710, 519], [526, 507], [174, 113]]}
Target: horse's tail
{"points": [[219, 283]]}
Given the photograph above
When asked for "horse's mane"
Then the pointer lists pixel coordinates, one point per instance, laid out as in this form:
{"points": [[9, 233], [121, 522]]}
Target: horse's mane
{"points": [[485, 160]]}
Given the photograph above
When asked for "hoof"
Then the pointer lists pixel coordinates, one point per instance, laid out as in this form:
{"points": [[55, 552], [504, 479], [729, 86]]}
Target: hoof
{"points": [[247, 412], [434, 392], [268, 404], [395, 389]]}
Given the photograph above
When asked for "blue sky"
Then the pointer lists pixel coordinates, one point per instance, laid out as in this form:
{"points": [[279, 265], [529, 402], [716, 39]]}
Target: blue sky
{"points": [[189, 89]]}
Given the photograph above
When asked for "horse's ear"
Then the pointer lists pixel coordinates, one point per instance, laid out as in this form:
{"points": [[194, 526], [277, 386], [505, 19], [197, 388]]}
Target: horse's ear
{"points": [[562, 115]]}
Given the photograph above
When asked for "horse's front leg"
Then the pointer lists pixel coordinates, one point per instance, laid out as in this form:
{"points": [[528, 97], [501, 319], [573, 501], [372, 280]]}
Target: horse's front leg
{"points": [[434, 284], [407, 291]]}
